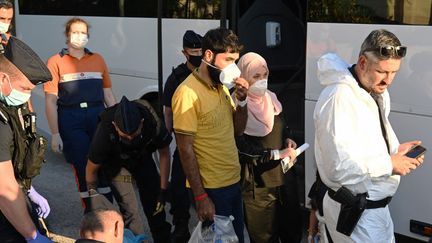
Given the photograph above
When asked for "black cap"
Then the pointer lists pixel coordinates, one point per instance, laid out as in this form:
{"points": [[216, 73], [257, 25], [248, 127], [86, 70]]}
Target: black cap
{"points": [[127, 116], [27, 61], [192, 39]]}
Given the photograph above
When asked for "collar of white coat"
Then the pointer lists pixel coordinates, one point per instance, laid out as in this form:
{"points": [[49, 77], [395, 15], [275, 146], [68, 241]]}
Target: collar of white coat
{"points": [[333, 70]]}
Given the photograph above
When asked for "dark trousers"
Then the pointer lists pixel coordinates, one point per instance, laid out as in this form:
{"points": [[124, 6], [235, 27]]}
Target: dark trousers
{"points": [[290, 217], [148, 183], [124, 194], [228, 201], [273, 214], [180, 201], [262, 205], [8, 234], [77, 127]]}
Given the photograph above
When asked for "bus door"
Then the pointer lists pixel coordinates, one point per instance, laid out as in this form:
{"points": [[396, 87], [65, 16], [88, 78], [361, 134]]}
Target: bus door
{"points": [[275, 29]]}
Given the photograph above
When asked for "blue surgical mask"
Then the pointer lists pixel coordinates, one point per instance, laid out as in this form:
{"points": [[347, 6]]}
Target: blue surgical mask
{"points": [[15, 98]]}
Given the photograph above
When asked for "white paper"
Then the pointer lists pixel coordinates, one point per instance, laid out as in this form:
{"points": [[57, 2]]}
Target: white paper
{"points": [[287, 164]]}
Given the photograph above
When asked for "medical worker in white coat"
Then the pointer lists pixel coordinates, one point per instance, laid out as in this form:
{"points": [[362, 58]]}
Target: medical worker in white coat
{"points": [[355, 145]]}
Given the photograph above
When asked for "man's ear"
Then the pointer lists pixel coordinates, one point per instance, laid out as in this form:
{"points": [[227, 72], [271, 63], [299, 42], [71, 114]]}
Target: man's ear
{"points": [[81, 234], [208, 55], [116, 229], [362, 62], [3, 77]]}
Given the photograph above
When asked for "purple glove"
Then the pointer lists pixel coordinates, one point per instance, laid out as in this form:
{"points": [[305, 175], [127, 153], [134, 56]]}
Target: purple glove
{"points": [[43, 209], [39, 238]]}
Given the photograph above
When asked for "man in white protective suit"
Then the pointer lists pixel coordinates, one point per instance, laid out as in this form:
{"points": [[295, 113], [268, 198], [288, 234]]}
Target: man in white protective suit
{"points": [[357, 152]]}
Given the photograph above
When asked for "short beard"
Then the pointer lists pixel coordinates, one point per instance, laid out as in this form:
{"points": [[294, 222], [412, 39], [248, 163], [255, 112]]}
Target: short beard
{"points": [[214, 73]]}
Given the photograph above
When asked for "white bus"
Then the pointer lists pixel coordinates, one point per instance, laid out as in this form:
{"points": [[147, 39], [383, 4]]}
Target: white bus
{"points": [[123, 32], [291, 35]]}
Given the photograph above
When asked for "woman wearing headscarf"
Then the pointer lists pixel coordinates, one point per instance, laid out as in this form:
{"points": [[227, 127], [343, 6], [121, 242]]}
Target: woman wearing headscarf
{"points": [[261, 148]]}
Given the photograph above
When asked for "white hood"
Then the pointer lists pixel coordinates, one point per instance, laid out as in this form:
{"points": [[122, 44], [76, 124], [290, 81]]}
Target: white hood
{"points": [[332, 69]]}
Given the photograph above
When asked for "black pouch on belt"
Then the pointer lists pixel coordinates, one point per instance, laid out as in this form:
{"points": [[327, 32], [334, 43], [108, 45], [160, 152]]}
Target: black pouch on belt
{"points": [[352, 207]]}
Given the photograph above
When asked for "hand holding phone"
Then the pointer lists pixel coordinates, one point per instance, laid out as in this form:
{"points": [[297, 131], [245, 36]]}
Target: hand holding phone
{"points": [[416, 152]]}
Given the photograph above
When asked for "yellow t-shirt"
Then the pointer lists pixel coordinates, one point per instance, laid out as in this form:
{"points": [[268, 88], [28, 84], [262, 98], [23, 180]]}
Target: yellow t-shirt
{"points": [[206, 113]]}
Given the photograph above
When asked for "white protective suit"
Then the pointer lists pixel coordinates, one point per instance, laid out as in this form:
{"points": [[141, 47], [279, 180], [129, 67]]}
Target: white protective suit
{"points": [[350, 149]]}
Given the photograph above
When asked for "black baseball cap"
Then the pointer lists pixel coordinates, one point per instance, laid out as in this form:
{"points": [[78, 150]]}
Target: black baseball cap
{"points": [[192, 39], [127, 116], [27, 61]]}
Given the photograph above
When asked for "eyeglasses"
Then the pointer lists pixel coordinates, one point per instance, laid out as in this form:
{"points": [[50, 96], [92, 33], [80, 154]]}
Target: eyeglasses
{"points": [[390, 51]]}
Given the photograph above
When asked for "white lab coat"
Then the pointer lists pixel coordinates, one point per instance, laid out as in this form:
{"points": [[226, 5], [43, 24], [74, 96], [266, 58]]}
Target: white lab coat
{"points": [[350, 150]]}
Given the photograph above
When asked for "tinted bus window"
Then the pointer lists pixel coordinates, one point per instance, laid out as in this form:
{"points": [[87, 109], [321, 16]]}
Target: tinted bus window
{"points": [[370, 11], [196, 9]]}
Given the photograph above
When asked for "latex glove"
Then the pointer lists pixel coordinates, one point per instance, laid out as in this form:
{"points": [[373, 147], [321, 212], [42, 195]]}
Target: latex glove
{"points": [[56, 143], [43, 209], [160, 205], [39, 239]]}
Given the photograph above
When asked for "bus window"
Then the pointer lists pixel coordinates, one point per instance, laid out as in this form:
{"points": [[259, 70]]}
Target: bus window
{"points": [[194, 9], [371, 11]]}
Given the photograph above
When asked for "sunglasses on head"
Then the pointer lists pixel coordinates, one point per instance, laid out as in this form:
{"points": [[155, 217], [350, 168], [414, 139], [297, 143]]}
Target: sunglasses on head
{"points": [[391, 51]]}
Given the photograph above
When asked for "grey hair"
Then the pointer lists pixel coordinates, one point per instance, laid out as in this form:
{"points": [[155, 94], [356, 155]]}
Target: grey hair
{"points": [[376, 39], [6, 4]]}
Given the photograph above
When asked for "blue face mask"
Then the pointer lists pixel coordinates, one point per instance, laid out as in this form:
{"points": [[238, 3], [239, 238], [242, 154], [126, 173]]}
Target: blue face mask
{"points": [[15, 98]]}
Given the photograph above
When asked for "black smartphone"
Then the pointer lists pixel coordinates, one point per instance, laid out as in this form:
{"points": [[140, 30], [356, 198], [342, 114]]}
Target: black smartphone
{"points": [[416, 151]]}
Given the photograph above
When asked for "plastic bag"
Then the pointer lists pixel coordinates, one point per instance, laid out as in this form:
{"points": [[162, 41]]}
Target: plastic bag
{"points": [[220, 231], [130, 237]]}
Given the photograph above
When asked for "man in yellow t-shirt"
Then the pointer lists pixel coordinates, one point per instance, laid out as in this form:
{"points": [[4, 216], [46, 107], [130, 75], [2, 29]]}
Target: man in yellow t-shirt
{"points": [[205, 120]]}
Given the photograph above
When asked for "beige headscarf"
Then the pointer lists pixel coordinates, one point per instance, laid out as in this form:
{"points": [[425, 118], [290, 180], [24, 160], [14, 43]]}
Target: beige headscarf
{"points": [[261, 110]]}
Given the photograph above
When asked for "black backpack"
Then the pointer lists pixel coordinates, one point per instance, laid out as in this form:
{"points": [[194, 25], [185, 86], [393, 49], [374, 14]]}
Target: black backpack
{"points": [[29, 147]]}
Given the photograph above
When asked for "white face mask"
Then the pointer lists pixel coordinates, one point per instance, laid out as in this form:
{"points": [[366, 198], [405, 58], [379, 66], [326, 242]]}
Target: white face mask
{"points": [[78, 41], [258, 88], [229, 74], [226, 75], [4, 27]]}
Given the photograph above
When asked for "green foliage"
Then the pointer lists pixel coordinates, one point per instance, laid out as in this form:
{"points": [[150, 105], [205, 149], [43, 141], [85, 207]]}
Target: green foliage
{"points": [[340, 11]]}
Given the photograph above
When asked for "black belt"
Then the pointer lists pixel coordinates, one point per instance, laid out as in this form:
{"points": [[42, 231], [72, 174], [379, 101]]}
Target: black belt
{"points": [[82, 105], [369, 203], [378, 204]]}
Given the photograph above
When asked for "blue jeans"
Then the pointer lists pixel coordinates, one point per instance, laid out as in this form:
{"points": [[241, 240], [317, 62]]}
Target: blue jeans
{"points": [[228, 201]]}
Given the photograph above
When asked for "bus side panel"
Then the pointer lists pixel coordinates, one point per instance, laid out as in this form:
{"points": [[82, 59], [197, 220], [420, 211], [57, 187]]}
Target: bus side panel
{"points": [[411, 95], [413, 199], [128, 45]]}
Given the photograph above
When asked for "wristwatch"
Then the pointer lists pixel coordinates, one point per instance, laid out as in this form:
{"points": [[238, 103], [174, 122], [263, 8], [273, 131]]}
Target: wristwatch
{"points": [[92, 192]]}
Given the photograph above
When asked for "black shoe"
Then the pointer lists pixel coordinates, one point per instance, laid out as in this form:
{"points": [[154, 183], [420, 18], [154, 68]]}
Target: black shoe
{"points": [[181, 233]]}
